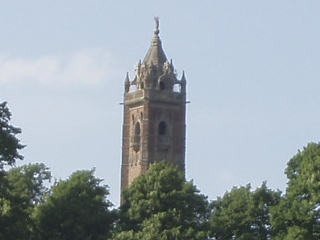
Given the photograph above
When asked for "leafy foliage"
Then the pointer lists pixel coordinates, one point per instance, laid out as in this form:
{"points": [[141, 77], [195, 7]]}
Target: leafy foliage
{"points": [[162, 205], [77, 209], [298, 214], [243, 214], [9, 144], [22, 189], [158, 205]]}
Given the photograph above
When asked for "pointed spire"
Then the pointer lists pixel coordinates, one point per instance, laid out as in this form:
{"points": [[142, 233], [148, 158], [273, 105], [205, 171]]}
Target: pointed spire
{"points": [[127, 83], [139, 68], [183, 82], [183, 78], [155, 54], [127, 78]]}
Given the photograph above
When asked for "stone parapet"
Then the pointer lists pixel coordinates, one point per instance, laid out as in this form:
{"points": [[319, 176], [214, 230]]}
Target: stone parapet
{"points": [[154, 95]]}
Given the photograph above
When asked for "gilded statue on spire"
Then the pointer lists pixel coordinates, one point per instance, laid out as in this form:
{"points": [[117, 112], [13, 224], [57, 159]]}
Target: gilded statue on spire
{"points": [[156, 31], [156, 19]]}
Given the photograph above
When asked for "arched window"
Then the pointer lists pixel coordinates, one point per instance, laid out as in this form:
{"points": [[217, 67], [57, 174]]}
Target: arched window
{"points": [[162, 129], [177, 88], [135, 140], [162, 86], [137, 129], [163, 138], [133, 88]]}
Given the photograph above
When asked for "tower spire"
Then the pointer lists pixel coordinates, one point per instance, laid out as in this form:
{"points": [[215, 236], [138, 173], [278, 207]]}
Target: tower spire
{"points": [[155, 55]]}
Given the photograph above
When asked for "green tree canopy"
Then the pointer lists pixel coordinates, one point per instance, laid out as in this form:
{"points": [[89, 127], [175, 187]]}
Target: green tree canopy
{"points": [[243, 214], [162, 205], [298, 214], [22, 189], [77, 209], [9, 143]]}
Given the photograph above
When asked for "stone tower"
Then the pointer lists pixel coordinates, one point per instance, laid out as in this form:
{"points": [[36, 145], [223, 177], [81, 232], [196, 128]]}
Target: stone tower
{"points": [[154, 118]]}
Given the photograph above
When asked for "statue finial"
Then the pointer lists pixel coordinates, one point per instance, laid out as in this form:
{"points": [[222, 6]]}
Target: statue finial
{"points": [[156, 31]]}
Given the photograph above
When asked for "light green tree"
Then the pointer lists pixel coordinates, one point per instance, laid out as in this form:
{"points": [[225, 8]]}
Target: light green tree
{"points": [[22, 189], [77, 209], [162, 205], [298, 214], [243, 214]]}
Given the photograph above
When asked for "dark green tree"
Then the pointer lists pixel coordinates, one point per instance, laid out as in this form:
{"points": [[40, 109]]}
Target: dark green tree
{"points": [[298, 214], [9, 143], [162, 205], [23, 189], [243, 214], [77, 209]]}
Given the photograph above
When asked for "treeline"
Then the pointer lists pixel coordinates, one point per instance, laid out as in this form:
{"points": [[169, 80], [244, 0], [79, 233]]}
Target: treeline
{"points": [[158, 205]]}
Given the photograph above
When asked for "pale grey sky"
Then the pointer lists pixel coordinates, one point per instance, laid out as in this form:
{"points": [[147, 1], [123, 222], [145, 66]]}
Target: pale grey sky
{"points": [[252, 68]]}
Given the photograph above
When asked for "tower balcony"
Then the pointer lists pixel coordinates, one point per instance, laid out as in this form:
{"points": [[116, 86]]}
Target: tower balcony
{"points": [[135, 142], [155, 95]]}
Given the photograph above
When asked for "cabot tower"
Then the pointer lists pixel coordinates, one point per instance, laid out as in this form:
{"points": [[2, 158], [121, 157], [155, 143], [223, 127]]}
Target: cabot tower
{"points": [[154, 118]]}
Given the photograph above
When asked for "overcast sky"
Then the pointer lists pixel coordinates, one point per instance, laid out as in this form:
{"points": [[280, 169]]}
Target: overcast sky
{"points": [[252, 69]]}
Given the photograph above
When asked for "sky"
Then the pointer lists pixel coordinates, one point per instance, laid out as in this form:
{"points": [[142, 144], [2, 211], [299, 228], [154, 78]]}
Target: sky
{"points": [[252, 70]]}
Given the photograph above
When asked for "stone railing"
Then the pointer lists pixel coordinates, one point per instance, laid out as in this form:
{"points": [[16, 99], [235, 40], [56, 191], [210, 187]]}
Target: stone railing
{"points": [[135, 142], [156, 95]]}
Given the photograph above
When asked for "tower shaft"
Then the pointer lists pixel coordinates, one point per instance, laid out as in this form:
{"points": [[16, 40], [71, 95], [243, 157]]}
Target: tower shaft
{"points": [[154, 118]]}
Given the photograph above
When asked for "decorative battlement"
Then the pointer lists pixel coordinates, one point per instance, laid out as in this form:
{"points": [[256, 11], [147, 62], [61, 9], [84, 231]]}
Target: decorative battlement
{"points": [[155, 71], [154, 95]]}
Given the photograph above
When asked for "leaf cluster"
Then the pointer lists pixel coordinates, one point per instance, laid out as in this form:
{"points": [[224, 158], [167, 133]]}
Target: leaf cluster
{"points": [[77, 208], [297, 216], [9, 143], [22, 189], [243, 214], [162, 205]]}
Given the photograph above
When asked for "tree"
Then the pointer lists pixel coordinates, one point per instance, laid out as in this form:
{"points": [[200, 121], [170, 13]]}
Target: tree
{"points": [[77, 209], [162, 205], [9, 144], [19, 187], [298, 214], [22, 189], [242, 214]]}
